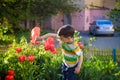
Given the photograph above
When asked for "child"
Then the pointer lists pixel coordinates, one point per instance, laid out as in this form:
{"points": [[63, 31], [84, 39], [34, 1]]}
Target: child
{"points": [[71, 52]]}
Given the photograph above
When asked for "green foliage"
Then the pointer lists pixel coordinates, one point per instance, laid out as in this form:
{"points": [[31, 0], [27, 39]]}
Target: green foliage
{"points": [[115, 16], [54, 6], [13, 10], [18, 10], [47, 66], [66, 6], [117, 28], [117, 5], [97, 69], [6, 32], [8, 37]]}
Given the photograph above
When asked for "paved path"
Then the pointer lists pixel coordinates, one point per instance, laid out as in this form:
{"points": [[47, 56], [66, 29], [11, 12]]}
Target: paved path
{"points": [[104, 41]]}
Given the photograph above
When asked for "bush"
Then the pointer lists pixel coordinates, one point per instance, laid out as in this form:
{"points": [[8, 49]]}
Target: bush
{"points": [[117, 28], [6, 34], [96, 69]]}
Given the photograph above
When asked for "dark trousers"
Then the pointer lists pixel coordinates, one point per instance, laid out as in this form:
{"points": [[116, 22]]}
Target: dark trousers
{"points": [[68, 73]]}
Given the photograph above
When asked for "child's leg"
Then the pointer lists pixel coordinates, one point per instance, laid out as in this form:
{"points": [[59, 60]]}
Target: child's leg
{"points": [[68, 73], [64, 71]]}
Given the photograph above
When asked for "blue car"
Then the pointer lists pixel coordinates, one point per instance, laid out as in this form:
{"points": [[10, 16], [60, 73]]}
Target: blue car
{"points": [[99, 27]]}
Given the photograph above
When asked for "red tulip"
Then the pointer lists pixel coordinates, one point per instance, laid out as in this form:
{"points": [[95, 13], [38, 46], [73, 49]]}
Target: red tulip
{"points": [[34, 42], [21, 58], [30, 58], [11, 72], [81, 45], [9, 77], [50, 40], [52, 47], [47, 46], [54, 51], [18, 50], [37, 42]]}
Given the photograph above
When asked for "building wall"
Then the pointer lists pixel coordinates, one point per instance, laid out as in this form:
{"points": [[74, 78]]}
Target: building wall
{"points": [[109, 3], [98, 14], [100, 3], [81, 19], [78, 19], [89, 3], [56, 22]]}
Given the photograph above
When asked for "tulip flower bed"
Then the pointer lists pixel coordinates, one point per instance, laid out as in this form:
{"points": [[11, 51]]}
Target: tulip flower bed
{"points": [[30, 62], [24, 61]]}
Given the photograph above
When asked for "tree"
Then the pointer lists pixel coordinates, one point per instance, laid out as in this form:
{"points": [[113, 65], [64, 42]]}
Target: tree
{"points": [[12, 10], [115, 14], [17, 10], [47, 8]]}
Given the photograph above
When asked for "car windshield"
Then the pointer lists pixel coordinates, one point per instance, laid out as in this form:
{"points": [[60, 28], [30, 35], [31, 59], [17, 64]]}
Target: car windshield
{"points": [[104, 22]]}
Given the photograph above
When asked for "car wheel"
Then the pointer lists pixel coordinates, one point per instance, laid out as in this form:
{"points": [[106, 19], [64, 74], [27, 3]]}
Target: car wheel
{"points": [[112, 34], [90, 32]]}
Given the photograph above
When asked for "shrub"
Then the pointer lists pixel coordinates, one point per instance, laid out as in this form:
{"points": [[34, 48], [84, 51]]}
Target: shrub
{"points": [[96, 69], [6, 34]]}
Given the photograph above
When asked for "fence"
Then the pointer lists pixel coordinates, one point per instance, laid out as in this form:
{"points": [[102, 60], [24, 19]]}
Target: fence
{"points": [[105, 54]]}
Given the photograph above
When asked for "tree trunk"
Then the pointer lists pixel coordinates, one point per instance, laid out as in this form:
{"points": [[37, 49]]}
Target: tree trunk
{"points": [[42, 23], [27, 24], [37, 21]]}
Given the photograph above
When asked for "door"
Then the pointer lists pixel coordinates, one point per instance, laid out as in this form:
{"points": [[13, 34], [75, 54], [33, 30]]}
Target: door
{"points": [[67, 19]]}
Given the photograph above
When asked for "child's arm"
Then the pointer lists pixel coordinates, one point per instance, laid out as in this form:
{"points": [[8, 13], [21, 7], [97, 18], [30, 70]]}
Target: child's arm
{"points": [[46, 36], [80, 60]]}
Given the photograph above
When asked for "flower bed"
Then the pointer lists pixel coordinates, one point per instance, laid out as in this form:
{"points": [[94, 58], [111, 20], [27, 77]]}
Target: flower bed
{"points": [[24, 61], [29, 62]]}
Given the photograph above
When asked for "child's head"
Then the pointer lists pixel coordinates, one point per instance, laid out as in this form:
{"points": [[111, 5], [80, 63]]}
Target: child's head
{"points": [[66, 33]]}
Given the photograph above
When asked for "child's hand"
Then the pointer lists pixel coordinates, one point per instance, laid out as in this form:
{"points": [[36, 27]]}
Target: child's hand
{"points": [[38, 38], [77, 70]]}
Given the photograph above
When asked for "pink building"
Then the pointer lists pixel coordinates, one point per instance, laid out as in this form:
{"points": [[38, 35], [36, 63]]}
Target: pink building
{"points": [[92, 10]]}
